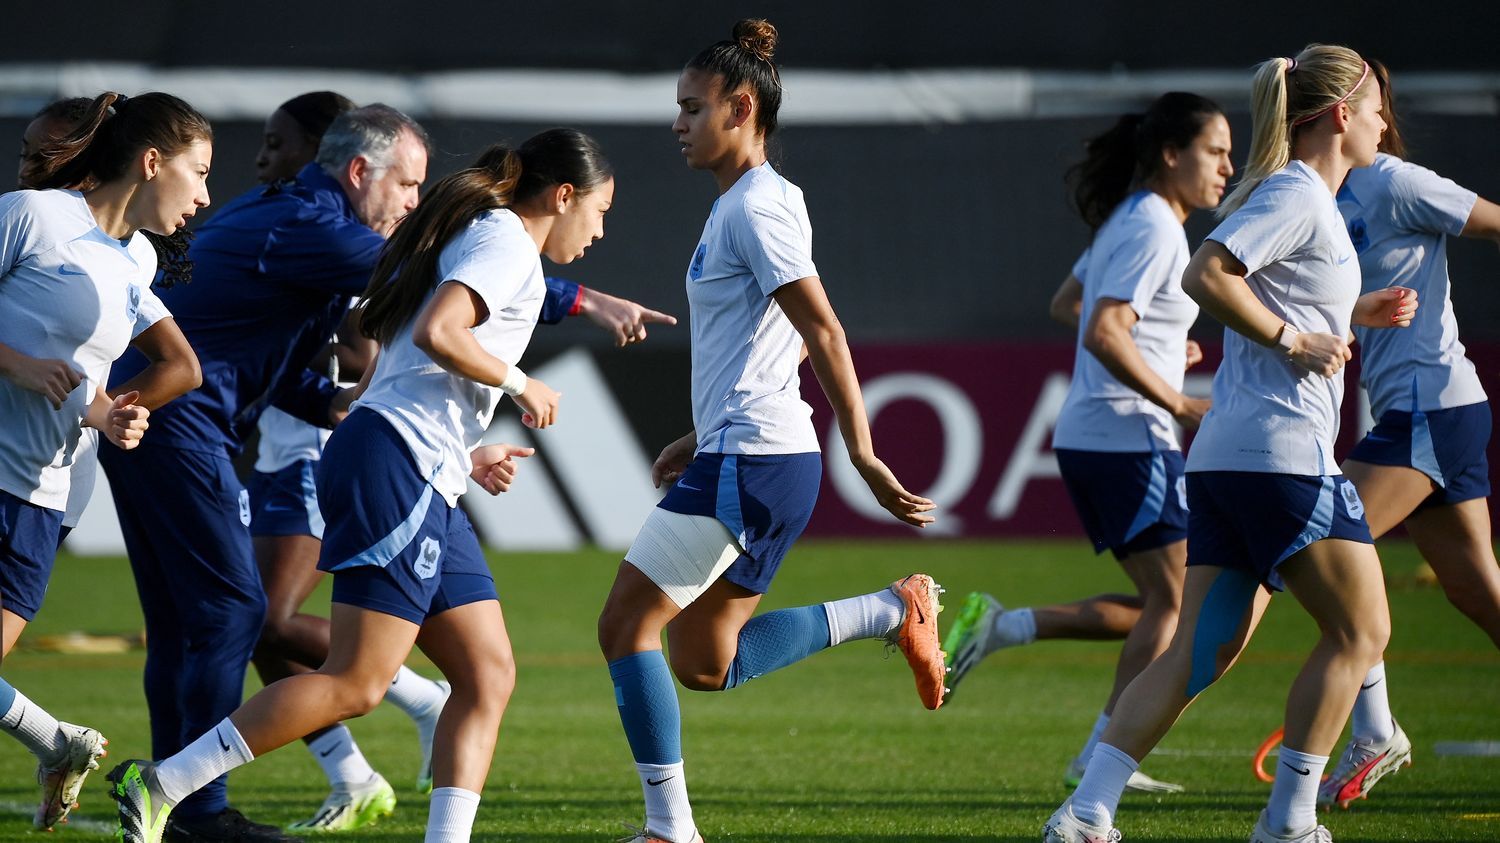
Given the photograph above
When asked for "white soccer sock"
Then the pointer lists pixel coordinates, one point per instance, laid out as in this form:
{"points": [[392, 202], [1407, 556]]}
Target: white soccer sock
{"points": [[1013, 627], [1294, 795], [450, 818], [1098, 795], [340, 758], [1372, 720], [37, 730], [668, 813], [220, 750], [417, 696], [866, 616], [1094, 736]]}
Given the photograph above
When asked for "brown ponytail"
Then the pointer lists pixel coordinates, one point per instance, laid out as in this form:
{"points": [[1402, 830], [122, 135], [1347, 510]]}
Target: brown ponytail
{"points": [[111, 132], [408, 266]]}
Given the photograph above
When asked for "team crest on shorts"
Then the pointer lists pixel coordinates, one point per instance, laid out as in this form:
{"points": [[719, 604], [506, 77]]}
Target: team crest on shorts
{"points": [[427, 559], [1352, 504], [245, 507]]}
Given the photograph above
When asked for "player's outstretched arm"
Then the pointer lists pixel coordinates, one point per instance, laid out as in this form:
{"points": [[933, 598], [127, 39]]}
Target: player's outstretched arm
{"points": [[806, 304], [622, 319]]}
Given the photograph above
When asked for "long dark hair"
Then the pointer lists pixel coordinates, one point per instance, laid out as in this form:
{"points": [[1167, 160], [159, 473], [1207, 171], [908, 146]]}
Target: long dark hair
{"points": [[746, 59], [112, 131], [407, 268], [1130, 152], [1391, 142]]}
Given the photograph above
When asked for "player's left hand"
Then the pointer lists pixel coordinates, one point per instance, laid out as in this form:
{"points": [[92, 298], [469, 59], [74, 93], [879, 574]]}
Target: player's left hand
{"points": [[1392, 307], [126, 422], [907, 507], [1194, 354], [622, 319], [495, 465]]}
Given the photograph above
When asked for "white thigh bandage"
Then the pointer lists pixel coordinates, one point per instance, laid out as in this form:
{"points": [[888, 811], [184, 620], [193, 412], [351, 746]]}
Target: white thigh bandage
{"points": [[682, 554]]}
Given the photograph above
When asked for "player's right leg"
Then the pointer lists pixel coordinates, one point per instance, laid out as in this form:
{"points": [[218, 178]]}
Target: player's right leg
{"points": [[1340, 583], [366, 648]]}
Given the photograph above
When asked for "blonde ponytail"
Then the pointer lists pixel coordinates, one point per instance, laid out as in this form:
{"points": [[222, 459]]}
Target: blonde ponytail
{"points": [[1286, 95]]}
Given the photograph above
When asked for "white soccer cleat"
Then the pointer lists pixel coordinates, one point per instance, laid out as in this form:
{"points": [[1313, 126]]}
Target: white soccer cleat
{"points": [[352, 806], [1316, 834], [1064, 827], [1361, 766], [1139, 782], [644, 835], [426, 731], [62, 782]]}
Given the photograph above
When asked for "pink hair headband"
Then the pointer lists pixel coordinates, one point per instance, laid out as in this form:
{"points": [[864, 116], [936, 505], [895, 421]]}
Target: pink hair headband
{"points": [[1311, 117]]}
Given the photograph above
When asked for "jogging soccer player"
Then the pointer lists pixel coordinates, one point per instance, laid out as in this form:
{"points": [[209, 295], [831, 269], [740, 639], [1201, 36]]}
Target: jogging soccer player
{"points": [[1116, 438], [743, 483], [1424, 463], [75, 290], [50, 124], [286, 524], [453, 302], [1267, 506]]}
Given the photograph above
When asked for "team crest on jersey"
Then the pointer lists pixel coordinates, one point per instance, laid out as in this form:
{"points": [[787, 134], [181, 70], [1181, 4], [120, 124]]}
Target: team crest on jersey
{"points": [[695, 270], [1352, 504], [1358, 235], [427, 558], [132, 302]]}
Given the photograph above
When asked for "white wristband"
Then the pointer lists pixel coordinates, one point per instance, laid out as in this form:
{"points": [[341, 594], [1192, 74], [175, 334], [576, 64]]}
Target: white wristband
{"points": [[514, 383], [1287, 337]]}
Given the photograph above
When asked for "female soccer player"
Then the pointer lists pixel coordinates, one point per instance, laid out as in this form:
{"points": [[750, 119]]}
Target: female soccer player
{"points": [[1115, 439], [747, 476], [1266, 503], [1424, 463], [453, 301], [75, 291], [49, 125]]}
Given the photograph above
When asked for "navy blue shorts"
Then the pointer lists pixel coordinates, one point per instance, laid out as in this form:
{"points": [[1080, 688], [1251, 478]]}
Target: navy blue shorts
{"points": [[764, 500], [1252, 522], [1129, 502], [285, 502], [392, 542], [28, 545], [1446, 445]]}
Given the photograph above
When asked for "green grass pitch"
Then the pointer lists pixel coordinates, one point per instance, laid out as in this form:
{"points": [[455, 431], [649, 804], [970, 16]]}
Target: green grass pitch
{"points": [[836, 748]]}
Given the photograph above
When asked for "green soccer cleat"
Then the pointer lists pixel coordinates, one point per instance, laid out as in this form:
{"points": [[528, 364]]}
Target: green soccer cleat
{"points": [[351, 806], [968, 637], [143, 811]]}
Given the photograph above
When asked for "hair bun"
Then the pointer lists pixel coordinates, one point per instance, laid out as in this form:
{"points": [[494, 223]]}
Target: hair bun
{"points": [[757, 37]]}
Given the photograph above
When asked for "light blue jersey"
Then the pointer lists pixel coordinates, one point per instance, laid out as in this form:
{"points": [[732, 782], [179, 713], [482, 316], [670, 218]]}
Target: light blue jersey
{"points": [[442, 416], [68, 291], [746, 394], [1137, 257], [1400, 217], [1269, 414]]}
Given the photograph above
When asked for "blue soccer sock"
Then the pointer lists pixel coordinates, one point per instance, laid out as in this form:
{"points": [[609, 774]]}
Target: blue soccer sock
{"points": [[647, 700], [776, 639]]}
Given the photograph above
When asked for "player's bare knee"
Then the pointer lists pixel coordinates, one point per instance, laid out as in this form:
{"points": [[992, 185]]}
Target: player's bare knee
{"points": [[698, 674]]}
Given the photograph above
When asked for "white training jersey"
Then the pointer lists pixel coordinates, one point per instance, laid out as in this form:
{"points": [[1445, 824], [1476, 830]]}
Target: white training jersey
{"points": [[68, 291], [746, 394], [442, 416], [1137, 257], [285, 440], [85, 466], [1269, 414], [1400, 217]]}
